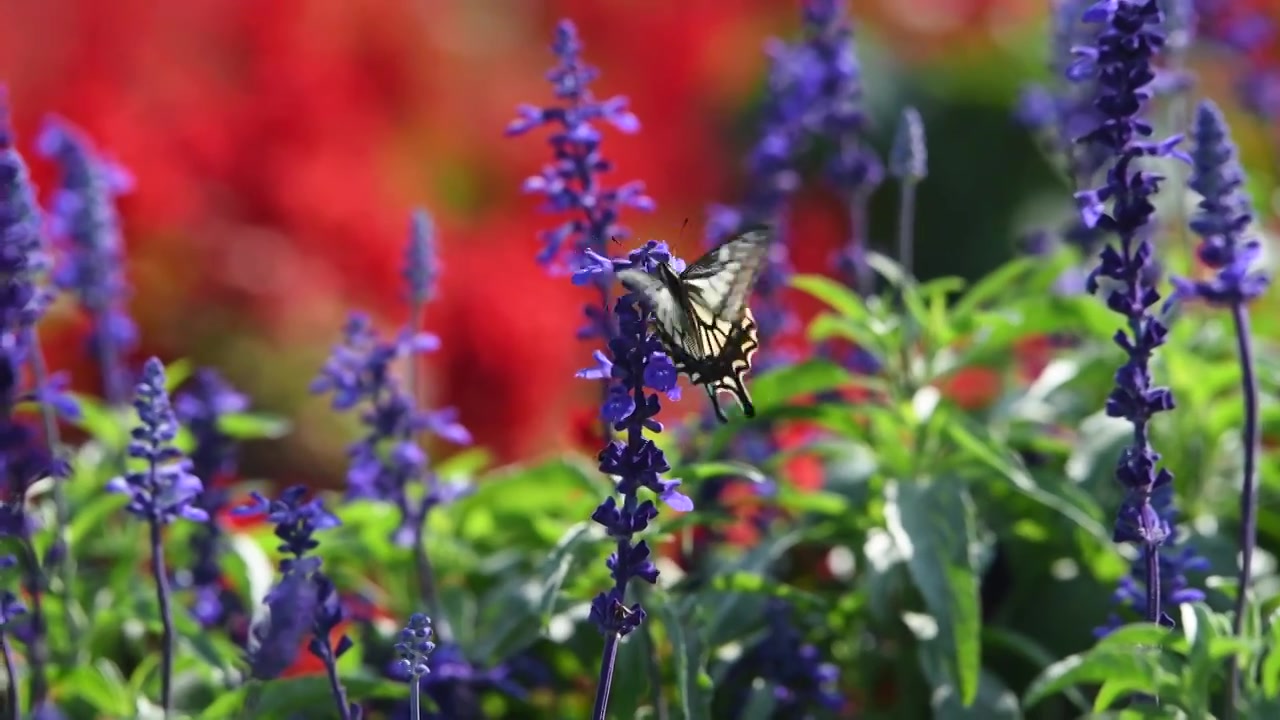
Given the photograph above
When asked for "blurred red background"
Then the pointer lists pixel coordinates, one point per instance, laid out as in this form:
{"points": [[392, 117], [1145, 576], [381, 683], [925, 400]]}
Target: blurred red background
{"points": [[279, 147]]}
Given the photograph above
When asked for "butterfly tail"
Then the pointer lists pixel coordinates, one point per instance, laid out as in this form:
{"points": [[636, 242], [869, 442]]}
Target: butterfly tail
{"points": [[715, 403]]}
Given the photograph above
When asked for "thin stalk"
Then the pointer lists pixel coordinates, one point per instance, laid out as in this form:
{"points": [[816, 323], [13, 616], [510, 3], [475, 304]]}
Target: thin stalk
{"points": [[415, 697], [906, 224], [109, 359], [11, 674], [166, 613], [64, 565], [421, 560], [1249, 489], [607, 665], [426, 575], [864, 281], [37, 646], [339, 694]]}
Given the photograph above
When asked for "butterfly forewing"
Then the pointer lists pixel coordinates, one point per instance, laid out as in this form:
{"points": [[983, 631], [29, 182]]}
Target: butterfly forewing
{"points": [[722, 279]]}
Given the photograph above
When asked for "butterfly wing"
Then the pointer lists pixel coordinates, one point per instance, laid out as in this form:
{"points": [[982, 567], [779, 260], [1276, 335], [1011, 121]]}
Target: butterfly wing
{"points": [[702, 315], [670, 306], [722, 279], [724, 367]]}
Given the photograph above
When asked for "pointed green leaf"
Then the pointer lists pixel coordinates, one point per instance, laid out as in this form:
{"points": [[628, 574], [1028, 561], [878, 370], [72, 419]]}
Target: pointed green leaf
{"points": [[932, 522], [693, 684]]}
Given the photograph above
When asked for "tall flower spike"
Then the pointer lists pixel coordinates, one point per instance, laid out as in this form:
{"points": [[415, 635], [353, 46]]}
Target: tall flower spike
{"points": [[200, 407], [414, 648], [1121, 65], [304, 601], [389, 463], [838, 113], [909, 162], [28, 457], [159, 493], [573, 182], [635, 368], [84, 217], [1223, 223]]}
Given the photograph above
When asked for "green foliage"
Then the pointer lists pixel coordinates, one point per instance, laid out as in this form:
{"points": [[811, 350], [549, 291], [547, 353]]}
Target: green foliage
{"points": [[953, 563]]}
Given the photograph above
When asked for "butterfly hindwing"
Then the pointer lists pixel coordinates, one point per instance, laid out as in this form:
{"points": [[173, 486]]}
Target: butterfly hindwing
{"points": [[702, 318]]}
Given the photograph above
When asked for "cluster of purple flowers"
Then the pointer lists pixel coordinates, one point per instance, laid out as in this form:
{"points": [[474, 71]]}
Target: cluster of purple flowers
{"points": [[1120, 62], [84, 218], [635, 368]]}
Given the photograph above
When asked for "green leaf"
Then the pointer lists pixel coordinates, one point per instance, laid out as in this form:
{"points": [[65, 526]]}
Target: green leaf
{"points": [[992, 286], [1130, 667], [226, 705], [837, 295], [521, 608], [932, 524], [101, 422], [176, 373], [1030, 651], [790, 382], [254, 426], [102, 686], [1062, 498], [693, 684], [693, 473]]}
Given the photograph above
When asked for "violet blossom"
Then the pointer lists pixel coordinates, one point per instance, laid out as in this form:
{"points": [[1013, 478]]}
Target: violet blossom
{"points": [[84, 217], [1120, 63]]}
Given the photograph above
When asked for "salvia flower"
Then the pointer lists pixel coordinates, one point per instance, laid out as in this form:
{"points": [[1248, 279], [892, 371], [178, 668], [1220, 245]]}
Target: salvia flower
{"points": [[573, 181], [415, 646], [1223, 218], [802, 683], [201, 406], [165, 489], [388, 462], [159, 493], [421, 266], [304, 602], [1120, 64], [1222, 222], [296, 522], [85, 218]]}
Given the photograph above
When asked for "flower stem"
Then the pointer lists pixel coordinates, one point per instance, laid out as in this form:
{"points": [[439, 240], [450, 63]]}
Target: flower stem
{"points": [[906, 224], [11, 675], [339, 694], [1249, 489], [37, 646], [607, 665], [415, 698], [64, 564], [426, 574], [863, 280], [166, 615]]}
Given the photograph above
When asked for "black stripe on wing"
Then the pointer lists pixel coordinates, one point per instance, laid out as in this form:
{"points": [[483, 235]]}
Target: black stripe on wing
{"points": [[725, 369]]}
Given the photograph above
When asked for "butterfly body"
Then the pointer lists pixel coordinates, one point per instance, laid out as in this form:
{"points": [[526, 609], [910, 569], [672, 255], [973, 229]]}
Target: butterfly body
{"points": [[702, 318]]}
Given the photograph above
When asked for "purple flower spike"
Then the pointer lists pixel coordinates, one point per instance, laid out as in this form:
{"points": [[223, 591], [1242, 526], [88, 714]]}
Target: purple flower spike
{"points": [[635, 368], [166, 489], [163, 491], [84, 217], [305, 600], [1223, 224], [1121, 66], [202, 404]]}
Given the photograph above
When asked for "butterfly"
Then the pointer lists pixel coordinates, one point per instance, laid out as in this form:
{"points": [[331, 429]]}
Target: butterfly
{"points": [[702, 317]]}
